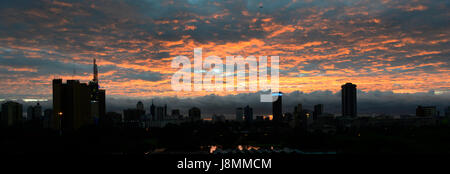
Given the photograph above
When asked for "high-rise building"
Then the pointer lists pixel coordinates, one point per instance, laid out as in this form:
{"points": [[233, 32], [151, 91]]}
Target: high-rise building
{"points": [[134, 115], [277, 106], [298, 108], [77, 104], [248, 114], [71, 105], [426, 111], [153, 111], [300, 117], [140, 106], [239, 114], [318, 111], [46, 120], [349, 100], [194, 114], [98, 104], [34, 112], [11, 113], [160, 113], [447, 111], [165, 110]]}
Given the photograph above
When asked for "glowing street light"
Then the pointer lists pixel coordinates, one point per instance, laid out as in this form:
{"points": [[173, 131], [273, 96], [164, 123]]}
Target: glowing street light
{"points": [[60, 122]]}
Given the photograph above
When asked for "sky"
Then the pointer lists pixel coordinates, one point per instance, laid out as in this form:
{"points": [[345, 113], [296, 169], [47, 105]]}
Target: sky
{"points": [[392, 49]]}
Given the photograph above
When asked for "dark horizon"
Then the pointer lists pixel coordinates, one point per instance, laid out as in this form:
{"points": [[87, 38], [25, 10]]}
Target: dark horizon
{"points": [[385, 103]]}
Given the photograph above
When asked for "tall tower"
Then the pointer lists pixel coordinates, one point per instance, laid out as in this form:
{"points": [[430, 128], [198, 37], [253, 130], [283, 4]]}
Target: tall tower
{"points": [[349, 100], [277, 105], [248, 114], [95, 72], [153, 111], [98, 104]]}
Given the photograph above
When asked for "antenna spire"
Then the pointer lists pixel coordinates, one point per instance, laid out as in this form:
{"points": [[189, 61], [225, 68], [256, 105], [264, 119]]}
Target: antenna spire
{"points": [[95, 72]]}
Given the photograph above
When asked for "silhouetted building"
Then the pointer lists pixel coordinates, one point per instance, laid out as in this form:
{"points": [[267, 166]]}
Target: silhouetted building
{"points": [[277, 106], [318, 111], [46, 120], [426, 111], [349, 100], [248, 114], [447, 111], [132, 118], [165, 111], [77, 104], [134, 115], [34, 112], [194, 114], [140, 106], [160, 113], [298, 108], [11, 113], [239, 114], [300, 117], [98, 104], [71, 105], [153, 111]]}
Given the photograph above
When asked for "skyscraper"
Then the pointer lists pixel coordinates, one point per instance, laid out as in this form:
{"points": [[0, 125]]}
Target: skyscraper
{"points": [[165, 111], [72, 105], [160, 113], [34, 112], [277, 105], [248, 114], [11, 113], [300, 117], [194, 114], [46, 120], [447, 111], [153, 111], [318, 110], [239, 114], [77, 104], [133, 115], [349, 100], [140, 106], [298, 108], [98, 105]]}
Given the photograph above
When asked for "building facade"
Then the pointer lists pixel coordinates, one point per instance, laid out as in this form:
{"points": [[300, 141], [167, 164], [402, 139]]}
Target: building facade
{"points": [[349, 103], [277, 106], [11, 114], [77, 104]]}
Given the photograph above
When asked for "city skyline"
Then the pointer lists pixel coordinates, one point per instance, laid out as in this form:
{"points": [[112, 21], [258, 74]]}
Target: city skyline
{"points": [[398, 104], [225, 85]]}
